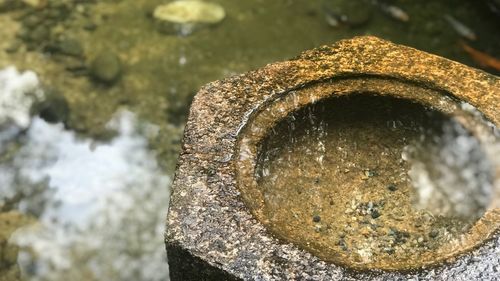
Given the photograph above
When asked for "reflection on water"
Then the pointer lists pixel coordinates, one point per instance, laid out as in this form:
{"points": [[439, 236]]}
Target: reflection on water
{"points": [[97, 207], [449, 173], [374, 182]]}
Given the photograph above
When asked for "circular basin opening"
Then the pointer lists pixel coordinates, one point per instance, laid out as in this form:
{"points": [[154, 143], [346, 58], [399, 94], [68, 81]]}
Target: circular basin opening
{"points": [[372, 182]]}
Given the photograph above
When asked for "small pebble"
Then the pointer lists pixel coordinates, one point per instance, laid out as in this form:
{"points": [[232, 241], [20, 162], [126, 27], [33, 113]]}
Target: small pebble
{"points": [[68, 47], [375, 214], [342, 244], [434, 233], [365, 231], [389, 250], [106, 67], [392, 187], [316, 218]]}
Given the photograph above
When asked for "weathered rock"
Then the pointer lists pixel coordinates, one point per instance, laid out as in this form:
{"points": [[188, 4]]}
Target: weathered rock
{"points": [[66, 46], [212, 231], [106, 67], [185, 16]]}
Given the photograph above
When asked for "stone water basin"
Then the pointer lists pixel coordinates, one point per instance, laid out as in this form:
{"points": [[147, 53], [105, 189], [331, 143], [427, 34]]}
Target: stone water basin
{"points": [[360, 160], [370, 175]]}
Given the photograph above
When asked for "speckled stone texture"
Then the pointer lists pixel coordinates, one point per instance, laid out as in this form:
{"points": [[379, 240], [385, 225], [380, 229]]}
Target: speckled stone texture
{"points": [[211, 234]]}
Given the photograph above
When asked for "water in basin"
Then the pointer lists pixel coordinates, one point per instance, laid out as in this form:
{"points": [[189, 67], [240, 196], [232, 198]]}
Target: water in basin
{"points": [[373, 182]]}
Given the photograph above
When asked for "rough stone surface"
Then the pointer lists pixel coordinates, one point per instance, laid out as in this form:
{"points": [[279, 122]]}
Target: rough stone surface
{"points": [[209, 226]]}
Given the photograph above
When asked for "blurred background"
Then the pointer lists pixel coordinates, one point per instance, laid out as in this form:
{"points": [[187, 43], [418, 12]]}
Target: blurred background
{"points": [[94, 96]]}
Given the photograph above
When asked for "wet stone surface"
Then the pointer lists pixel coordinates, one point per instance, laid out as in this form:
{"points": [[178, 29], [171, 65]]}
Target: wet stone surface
{"points": [[220, 191], [340, 162]]}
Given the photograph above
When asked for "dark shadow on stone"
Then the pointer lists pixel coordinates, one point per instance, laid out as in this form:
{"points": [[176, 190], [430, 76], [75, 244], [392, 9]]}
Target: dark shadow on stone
{"points": [[186, 267]]}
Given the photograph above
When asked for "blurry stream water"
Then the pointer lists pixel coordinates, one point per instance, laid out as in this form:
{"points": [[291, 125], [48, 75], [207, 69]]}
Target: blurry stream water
{"points": [[91, 201]]}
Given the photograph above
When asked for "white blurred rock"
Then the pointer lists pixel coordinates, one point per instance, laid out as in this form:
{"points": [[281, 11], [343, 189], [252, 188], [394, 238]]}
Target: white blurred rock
{"points": [[184, 16], [18, 92]]}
